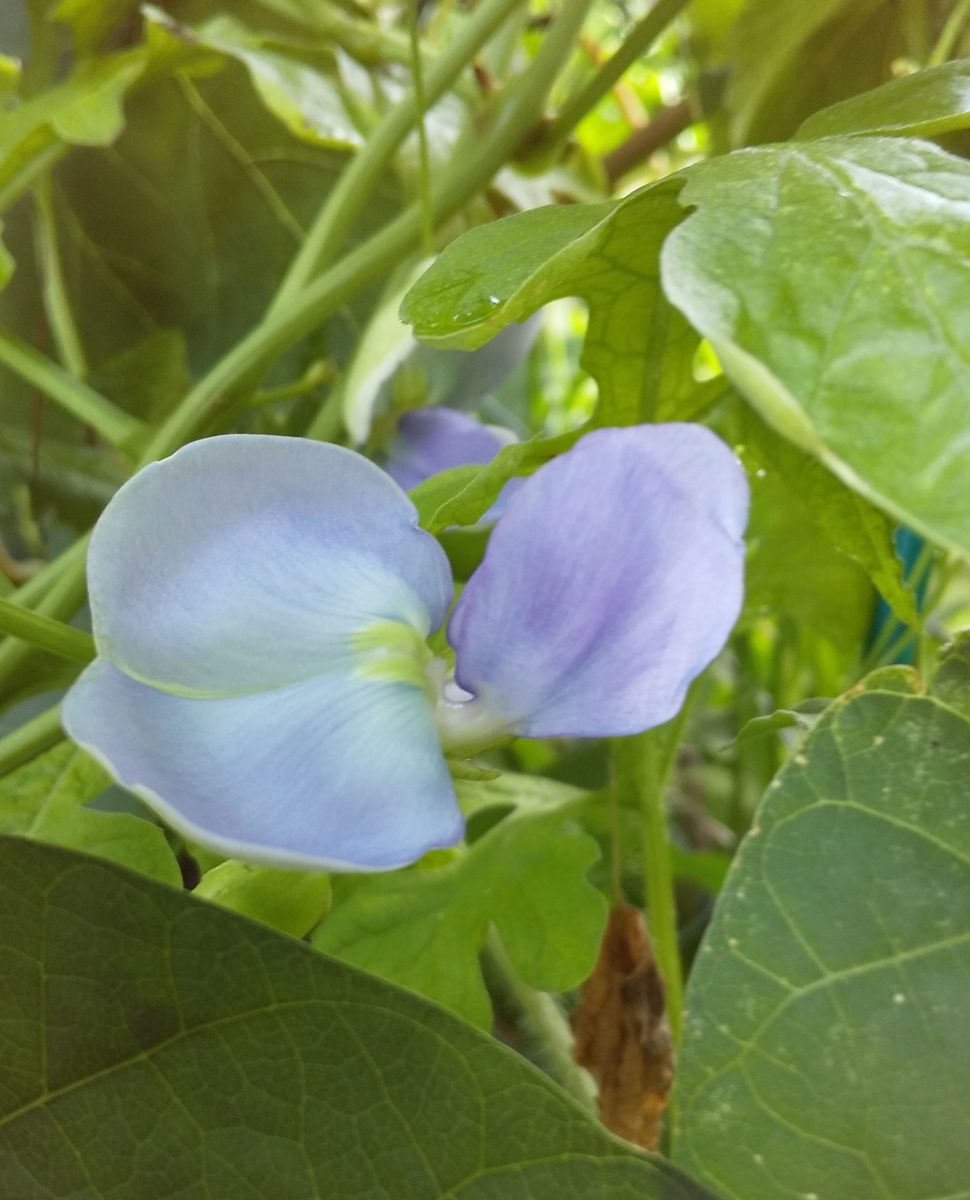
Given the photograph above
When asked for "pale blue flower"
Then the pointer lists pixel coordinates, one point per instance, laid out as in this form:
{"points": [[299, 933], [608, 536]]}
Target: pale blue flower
{"points": [[261, 607]]}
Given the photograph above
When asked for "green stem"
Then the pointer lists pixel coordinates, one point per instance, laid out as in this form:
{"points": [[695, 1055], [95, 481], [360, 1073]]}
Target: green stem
{"points": [[41, 61], [637, 42], [914, 23], [30, 739], [326, 425], [369, 43], [372, 161], [55, 591], [317, 374], [424, 164], [35, 168], [546, 1023], [949, 34], [45, 632], [642, 765], [57, 303], [30, 594], [83, 402], [253, 354]]}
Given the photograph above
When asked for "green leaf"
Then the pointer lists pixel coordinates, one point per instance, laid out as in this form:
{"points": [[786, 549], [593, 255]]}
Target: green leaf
{"points": [[153, 1045], [462, 495], [148, 378], [951, 679], [924, 104], [424, 928], [305, 99], [791, 59], [527, 793], [852, 526], [46, 800], [291, 901], [638, 348], [793, 567], [829, 277], [501, 272], [825, 1045], [706, 868], [803, 717], [86, 109], [90, 20], [433, 493]]}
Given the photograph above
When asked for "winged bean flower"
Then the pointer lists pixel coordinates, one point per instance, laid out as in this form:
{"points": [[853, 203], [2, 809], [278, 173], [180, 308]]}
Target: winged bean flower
{"points": [[261, 608]]}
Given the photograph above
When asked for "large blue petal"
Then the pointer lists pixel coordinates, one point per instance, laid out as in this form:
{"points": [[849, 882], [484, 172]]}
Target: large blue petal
{"points": [[344, 772], [245, 562], [612, 580]]}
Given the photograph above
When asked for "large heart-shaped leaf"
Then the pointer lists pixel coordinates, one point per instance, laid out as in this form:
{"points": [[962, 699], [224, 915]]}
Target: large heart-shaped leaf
{"points": [[826, 1042], [155, 1046], [830, 277]]}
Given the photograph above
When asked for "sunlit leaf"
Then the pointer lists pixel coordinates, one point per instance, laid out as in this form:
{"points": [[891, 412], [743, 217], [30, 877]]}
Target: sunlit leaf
{"points": [[830, 278]]}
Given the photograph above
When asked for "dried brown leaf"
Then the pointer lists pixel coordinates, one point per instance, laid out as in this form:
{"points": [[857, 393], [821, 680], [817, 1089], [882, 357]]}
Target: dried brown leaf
{"points": [[622, 1035]]}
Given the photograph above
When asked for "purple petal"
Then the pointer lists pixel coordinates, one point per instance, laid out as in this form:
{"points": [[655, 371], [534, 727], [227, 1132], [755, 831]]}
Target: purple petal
{"points": [[343, 772], [430, 440], [612, 580], [247, 562]]}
